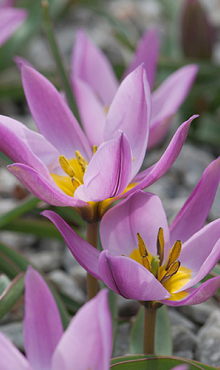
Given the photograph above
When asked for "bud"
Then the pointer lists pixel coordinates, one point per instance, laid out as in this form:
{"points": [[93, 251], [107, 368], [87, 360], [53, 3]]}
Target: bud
{"points": [[197, 33]]}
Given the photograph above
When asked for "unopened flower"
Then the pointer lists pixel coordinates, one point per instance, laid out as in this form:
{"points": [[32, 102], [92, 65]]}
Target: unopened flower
{"points": [[146, 260], [86, 343], [197, 32], [10, 20], [64, 167], [95, 85]]}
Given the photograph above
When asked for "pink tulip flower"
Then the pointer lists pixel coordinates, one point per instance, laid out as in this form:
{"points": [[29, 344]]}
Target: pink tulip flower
{"points": [[143, 258], [95, 85], [86, 344], [58, 164], [10, 20]]}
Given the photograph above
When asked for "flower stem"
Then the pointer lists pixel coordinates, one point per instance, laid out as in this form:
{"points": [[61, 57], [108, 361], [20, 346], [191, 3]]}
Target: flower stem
{"points": [[91, 238], [149, 330], [57, 56]]}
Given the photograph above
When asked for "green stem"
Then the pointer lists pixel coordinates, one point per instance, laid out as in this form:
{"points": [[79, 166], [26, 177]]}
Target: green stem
{"points": [[91, 238], [149, 330], [58, 59]]}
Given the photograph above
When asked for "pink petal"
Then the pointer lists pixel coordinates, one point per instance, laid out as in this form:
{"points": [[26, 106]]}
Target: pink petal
{"points": [[199, 295], [109, 171], [10, 20], [42, 322], [147, 52], [11, 358], [52, 116], [141, 212], [83, 252], [42, 187], [27, 147], [167, 99], [193, 214], [20, 61], [91, 66], [201, 252], [87, 342], [91, 112], [130, 112], [130, 279]]}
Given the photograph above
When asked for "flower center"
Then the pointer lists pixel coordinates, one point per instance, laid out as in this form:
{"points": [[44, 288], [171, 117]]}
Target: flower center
{"points": [[170, 274], [75, 169]]}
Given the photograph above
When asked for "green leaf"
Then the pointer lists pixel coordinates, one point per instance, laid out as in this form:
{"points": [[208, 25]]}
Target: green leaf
{"points": [[4, 282], [37, 227], [12, 263], [163, 341], [150, 362], [11, 294], [22, 208]]}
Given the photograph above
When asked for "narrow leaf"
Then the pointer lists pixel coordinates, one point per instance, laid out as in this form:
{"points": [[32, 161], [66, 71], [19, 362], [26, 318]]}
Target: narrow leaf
{"points": [[12, 263], [11, 295], [150, 362], [22, 208]]}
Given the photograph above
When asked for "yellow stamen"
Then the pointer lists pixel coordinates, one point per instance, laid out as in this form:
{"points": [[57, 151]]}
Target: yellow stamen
{"points": [[76, 183], [106, 109], [94, 149], [160, 245], [142, 246], [174, 253], [66, 166], [146, 262], [172, 270], [82, 162]]}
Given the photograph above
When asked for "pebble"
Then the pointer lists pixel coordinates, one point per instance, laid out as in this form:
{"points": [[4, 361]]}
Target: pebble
{"points": [[199, 313], [121, 347], [176, 318], [14, 331], [183, 338], [45, 260], [208, 344], [66, 284]]}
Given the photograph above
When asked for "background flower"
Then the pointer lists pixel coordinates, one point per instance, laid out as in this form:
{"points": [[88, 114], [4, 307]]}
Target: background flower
{"points": [[86, 344]]}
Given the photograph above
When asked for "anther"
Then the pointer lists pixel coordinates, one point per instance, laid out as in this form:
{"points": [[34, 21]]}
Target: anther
{"points": [[94, 149], [76, 183], [146, 262], [141, 245], [106, 109], [172, 270], [81, 161], [66, 166], [160, 245], [174, 253]]}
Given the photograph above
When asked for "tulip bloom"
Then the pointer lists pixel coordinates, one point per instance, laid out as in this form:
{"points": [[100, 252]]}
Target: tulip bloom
{"points": [[95, 85], [86, 344], [10, 20], [143, 258], [58, 165]]}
